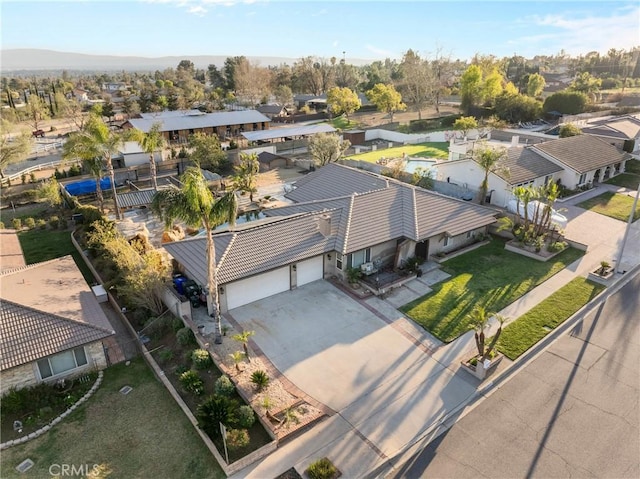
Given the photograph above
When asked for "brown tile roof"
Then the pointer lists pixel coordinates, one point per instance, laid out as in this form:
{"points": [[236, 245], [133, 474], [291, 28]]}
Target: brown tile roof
{"points": [[10, 251], [524, 164], [582, 153], [29, 334]]}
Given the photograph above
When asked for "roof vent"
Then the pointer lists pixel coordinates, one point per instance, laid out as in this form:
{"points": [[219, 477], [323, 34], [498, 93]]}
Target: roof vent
{"points": [[324, 224]]}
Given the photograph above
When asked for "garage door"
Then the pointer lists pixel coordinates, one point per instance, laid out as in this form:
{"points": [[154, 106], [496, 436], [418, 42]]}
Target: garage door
{"points": [[257, 287], [309, 270]]}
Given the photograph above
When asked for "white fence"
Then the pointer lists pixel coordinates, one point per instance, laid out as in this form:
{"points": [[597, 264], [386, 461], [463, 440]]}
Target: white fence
{"points": [[42, 166], [413, 138]]}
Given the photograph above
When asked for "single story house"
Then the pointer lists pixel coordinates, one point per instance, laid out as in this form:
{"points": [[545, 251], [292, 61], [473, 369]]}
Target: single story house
{"points": [[273, 111], [618, 131], [342, 218], [574, 162], [176, 127], [132, 154], [52, 325], [269, 161]]}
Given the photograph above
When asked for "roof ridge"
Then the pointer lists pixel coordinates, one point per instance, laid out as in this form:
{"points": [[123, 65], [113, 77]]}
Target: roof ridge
{"points": [[62, 318], [415, 213], [348, 225], [31, 266], [224, 254]]}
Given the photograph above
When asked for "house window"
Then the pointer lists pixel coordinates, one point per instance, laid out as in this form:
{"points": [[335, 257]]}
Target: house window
{"points": [[583, 179], [61, 363], [446, 241], [339, 261], [547, 179], [469, 235], [360, 257]]}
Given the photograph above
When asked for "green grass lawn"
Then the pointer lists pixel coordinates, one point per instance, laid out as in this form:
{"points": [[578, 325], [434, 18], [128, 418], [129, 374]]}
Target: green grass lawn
{"points": [[424, 150], [627, 180], [341, 123], [144, 434], [43, 245], [534, 325], [612, 205], [488, 276]]}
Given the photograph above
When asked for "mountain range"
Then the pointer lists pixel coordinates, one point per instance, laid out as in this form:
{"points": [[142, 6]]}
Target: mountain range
{"points": [[31, 59]]}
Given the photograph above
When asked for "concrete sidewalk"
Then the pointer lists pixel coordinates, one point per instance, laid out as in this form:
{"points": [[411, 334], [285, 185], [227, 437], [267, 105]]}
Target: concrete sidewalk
{"points": [[357, 446]]}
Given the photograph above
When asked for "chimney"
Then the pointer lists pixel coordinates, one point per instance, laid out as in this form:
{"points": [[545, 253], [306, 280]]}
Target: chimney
{"points": [[515, 140], [324, 224]]}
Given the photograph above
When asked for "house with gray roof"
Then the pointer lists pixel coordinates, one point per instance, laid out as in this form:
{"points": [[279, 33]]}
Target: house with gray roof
{"points": [[621, 131], [342, 218], [177, 127], [52, 325], [585, 159]]}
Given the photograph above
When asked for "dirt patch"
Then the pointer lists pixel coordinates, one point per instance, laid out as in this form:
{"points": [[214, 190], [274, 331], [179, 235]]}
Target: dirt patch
{"points": [[279, 176]]}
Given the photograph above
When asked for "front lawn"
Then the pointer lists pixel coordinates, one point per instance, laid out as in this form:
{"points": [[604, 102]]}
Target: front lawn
{"points": [[341, 123], [43, 245], [535, 324], [423, 150], [632, 166], [626, 180], [612, 205], [489, 276], [142, 434]]}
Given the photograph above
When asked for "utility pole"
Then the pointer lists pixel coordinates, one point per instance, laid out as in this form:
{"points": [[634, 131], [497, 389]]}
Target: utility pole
{"points": [[626, 231]]}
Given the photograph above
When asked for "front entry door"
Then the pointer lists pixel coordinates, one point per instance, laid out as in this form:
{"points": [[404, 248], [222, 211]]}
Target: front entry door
{"points": [[422, 249]]}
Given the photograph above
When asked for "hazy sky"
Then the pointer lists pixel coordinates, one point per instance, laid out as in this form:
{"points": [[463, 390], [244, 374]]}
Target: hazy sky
{"points": [[362, 29]]}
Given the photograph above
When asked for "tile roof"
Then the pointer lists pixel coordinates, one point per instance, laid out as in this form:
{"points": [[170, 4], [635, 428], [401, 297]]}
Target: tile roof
{"points": [[272, 109], [196, 121], [29, 334], [625, 128], [359, 220], [524, 164], [582, 153]]}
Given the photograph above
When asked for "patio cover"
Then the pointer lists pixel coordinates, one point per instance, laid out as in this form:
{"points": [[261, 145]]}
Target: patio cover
{"points": [[287, 132]]}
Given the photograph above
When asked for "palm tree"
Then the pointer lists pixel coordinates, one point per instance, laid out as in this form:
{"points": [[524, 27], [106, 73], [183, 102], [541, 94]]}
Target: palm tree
{"points": [[243, 338], [195, 204], [489, 160], [151, 142], [480, 320], [247, 174], [95, 144]]}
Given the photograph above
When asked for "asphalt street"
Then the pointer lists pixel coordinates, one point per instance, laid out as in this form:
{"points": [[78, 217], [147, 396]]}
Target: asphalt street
{"points": [[571, 412]]}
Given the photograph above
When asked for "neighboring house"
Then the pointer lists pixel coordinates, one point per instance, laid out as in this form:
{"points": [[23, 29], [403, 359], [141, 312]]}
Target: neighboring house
{"points": [[113, 87], [80, 94], [574, 162], [132, 154], [273, 111], [269, 161], [342, 218], [521, 167], [177, 126], [584, 158], [320, 101], [52, 325], [617, 131]]}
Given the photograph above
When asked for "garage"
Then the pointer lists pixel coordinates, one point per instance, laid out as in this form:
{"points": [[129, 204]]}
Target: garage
{"points": [[257, 287], [309, 270]]}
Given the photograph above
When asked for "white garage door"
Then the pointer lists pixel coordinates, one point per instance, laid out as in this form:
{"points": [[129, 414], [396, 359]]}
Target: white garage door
{"points": [[309, 270], [257, 287]]}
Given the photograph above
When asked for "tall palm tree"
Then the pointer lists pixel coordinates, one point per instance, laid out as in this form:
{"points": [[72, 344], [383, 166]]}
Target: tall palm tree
{"points": [[95, 144], [489, 160], [151, 142], [195, 204], [246, 174]]}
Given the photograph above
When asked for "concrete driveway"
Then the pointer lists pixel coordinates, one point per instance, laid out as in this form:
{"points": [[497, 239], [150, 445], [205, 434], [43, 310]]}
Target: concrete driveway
{"points": [[342, 353]]}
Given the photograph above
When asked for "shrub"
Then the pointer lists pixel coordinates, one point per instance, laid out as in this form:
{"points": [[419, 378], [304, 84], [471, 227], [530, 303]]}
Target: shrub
{"points": [[1, 225], [185, 337], [322, 469], [201, 359], [557, 246], [215, 410], [54, 221], [32, 177], [176, 324], [30, 195], [17, 223], [30, 223], [23, 178], [89, 213], [260, 379], [63, 223], [237, 438], [165, 355], [41, 224], [157, 327], [223, 386], [192, 382], [246, 417]]}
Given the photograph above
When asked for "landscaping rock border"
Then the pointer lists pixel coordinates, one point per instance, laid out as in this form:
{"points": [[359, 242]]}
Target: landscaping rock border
{"points": [[42, 430]]}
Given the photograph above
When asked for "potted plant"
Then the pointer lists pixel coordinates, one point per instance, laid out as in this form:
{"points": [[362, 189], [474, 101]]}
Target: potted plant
{"points": [[603, 269], [602, 274], [486, 358], [353, 276]]}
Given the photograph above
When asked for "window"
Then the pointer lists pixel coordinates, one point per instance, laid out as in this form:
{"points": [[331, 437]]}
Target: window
{"points": [[339, 261], [583, 179], [446, 241], [360, 257], [469, 235], [61, 363], [547, 179]]}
